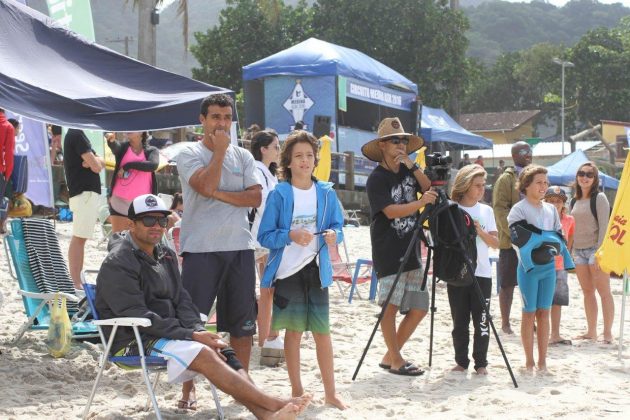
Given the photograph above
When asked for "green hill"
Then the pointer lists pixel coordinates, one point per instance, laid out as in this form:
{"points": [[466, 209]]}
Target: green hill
{"points": [[498, 26]]}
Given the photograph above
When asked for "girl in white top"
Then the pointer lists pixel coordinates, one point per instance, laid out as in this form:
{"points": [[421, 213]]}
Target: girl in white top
{"points": [[266, 151], [468, 190]]}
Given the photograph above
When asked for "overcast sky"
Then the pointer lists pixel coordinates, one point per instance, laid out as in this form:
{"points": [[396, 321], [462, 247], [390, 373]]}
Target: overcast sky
{"points": [[563, 2]]}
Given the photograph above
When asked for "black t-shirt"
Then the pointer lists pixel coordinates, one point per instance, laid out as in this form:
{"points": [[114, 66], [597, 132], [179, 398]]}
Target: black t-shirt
{"points": [[79, 179], [390, 238]]}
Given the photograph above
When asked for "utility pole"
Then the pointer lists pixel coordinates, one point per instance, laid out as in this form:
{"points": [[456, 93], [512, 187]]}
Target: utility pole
{"points": [[455, 96], [148, 18], [564, 64], [126, 40]]}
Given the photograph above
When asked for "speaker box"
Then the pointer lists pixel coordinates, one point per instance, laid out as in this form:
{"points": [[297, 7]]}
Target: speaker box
{"points": [[321, 126]]}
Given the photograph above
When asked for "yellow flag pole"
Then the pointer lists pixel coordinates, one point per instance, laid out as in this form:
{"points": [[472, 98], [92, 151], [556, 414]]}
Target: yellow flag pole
{"points": [[623, 312]]}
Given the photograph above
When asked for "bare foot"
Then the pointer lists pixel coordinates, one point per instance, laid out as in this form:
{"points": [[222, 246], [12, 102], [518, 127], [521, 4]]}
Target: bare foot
{"points": [[526, 370], [301, 402], [288, 412], [458, 368], [586, 336], [542, 367], [296, 393], [507, 330], [336, 401], [482, 371]]}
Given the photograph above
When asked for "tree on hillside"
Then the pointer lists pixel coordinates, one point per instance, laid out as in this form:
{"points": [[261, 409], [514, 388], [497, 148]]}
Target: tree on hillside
{"points": [[528, 79], [494, 88], [602, 60], [248, 30], [499, 26], [421, 39]]}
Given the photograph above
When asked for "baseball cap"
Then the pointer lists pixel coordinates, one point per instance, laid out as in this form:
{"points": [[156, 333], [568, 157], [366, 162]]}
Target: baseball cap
{"points": [[556, 191], [147, 203]]}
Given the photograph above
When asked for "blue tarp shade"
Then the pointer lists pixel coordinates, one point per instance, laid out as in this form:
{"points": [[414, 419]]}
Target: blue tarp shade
{"points": [[314, 57], [437, 126], [51, 74], [563, 172]]}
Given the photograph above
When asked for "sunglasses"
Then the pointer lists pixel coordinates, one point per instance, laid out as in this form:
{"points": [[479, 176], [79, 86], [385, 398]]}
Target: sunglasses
{"points": [[586, 174], [524, 152], [399, 140], [150, 221]]}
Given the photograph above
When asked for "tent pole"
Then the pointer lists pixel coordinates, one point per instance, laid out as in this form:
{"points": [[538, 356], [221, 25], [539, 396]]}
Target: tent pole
{"points": [[623, 311]]}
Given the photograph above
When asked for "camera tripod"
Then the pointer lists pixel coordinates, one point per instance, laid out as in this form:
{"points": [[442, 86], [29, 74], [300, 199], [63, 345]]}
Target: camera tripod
{"points": [[430, 213]]}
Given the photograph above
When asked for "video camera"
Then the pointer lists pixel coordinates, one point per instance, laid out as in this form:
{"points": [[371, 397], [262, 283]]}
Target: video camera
{"points": [[438, 169]]}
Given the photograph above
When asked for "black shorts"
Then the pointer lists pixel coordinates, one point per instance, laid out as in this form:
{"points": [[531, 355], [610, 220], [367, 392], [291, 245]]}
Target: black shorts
{"points": [[230, 278], [506, 267]]}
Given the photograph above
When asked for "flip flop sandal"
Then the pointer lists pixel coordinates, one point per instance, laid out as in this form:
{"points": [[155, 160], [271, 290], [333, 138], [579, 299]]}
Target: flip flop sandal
{"points": [[388, 367], [187, 405], [407, 370]]}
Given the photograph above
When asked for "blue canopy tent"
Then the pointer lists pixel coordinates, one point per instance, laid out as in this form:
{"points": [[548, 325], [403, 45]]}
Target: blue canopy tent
{"points": [[437, 126], [323, 83], [563, 172], [51, 74]]}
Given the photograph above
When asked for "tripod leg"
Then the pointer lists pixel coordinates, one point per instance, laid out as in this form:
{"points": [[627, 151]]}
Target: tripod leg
{"points": [[414, 241], [433, 309], [486, 306], [471, 273]]}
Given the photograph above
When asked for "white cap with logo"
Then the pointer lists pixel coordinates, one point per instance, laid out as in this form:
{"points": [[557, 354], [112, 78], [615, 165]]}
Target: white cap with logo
{"points": [[147, 203]]}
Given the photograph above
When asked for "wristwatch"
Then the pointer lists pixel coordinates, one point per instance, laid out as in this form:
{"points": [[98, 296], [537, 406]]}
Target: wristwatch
{"points": [[415, 167]]}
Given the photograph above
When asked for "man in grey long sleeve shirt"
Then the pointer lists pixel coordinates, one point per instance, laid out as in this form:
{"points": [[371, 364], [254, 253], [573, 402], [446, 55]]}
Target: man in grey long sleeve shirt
{"points": [[140, 278]]}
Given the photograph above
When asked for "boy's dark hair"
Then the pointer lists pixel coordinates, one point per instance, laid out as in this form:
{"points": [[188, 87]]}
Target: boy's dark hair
{"points": [[177, 199], [55, 130], [220, 99], [15, 123], [294, 138], [262, 139], [299, 125]]}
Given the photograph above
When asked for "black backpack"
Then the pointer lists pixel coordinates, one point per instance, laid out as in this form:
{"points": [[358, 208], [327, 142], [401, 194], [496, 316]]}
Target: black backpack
{"points": [[449, 264]]}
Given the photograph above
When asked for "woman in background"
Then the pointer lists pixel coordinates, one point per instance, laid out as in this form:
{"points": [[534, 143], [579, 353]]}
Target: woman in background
{"points": [[134, 174], [591, 222], [266, 151]]}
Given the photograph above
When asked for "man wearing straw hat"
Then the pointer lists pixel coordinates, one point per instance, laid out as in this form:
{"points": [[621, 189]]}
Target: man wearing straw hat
{"points": [[393, 189]]}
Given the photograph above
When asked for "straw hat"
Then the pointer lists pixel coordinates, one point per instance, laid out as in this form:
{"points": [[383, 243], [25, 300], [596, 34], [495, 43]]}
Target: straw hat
{"points": [[388, 128]]}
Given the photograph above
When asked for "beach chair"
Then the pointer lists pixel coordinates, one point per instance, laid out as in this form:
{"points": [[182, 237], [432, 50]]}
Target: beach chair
{"points": [[35, 261], [106, 226], [350, 216], [352, 274], [148, 364]]}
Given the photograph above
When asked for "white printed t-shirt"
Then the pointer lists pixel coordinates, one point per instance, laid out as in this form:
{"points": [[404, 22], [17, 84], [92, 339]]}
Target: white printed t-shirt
{"points": [[485, 216], [295, 257]]}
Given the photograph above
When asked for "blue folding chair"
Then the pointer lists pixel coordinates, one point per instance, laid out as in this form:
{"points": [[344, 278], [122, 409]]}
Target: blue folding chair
{"points": [[35, 300], [146, 363]]}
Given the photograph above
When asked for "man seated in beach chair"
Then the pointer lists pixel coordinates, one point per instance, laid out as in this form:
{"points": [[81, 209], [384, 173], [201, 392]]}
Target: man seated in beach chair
{"points": [[140, 278]]}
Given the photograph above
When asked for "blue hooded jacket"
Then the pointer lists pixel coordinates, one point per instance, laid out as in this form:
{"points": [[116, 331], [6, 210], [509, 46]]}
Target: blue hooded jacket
{"points": [[276, 225]]}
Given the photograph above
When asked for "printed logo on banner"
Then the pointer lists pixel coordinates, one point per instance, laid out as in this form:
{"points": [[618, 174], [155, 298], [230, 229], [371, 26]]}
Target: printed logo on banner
{"points": [[298, 102]]}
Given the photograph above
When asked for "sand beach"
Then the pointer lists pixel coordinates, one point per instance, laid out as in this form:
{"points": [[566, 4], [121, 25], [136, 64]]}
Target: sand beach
{"points": [[585, 380]]}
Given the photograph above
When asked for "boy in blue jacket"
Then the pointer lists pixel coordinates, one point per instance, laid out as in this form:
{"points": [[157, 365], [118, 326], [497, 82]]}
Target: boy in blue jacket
{"points": [[302, 218]]}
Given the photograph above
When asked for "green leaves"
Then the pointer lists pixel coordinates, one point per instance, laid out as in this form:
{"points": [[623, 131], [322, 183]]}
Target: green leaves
{"points": [[421, 39]]}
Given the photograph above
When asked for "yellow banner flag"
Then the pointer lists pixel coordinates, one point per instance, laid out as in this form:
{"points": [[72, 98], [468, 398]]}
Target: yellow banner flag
{"points": [[420, 159], [614, 254], [322, 171]]}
